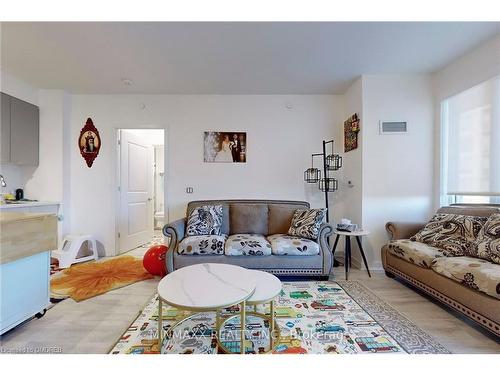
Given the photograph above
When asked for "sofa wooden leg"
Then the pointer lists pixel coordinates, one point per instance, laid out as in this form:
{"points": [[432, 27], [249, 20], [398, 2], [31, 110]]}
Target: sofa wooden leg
{"points": [[390, 274]]}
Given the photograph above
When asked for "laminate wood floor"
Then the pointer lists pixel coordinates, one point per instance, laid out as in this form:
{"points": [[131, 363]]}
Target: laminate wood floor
{"points": [[457, 333], [93, 326]]}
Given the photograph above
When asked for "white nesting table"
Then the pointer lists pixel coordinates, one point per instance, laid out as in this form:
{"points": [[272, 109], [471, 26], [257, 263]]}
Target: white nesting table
{"points": [[267, 288], [347, 257], [205, 287]]}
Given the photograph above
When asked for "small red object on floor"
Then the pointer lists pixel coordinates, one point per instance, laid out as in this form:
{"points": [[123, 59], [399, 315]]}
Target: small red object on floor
{"points": [[154, 260]]}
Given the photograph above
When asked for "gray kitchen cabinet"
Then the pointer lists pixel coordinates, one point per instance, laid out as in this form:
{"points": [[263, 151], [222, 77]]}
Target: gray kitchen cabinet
{"points": [[5, 129], [24, 129], [20, 131]]}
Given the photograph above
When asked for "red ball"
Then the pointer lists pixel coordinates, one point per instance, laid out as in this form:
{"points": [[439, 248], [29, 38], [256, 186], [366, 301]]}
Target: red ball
{"points": [[154, 260]]}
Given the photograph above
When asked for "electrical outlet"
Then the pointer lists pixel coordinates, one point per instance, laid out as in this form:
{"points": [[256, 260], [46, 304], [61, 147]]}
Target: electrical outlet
{"points": [[189, 190]]}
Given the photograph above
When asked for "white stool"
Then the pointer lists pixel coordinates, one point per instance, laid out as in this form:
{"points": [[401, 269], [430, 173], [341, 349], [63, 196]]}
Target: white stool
{"points": [[71, 245]]}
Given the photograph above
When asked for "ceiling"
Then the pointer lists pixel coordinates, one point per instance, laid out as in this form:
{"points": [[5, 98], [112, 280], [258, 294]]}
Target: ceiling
{"points": [[228, 58]]}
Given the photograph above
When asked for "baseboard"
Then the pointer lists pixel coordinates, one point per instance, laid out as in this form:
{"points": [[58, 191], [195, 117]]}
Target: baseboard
{"points": [[358, 263]]}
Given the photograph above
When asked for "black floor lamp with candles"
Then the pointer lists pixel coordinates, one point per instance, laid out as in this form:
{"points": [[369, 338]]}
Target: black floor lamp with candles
{"points": [[327, 184]]}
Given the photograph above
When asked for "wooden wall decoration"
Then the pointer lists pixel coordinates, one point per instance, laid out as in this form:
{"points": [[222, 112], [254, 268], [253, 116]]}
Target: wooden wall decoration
{"points": [[89, 142], [351, 130]]}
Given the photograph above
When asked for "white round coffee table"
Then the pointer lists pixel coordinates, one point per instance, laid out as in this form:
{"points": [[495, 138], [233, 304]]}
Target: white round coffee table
{"points": [[267, 288], [205, 287], [347, 257]]}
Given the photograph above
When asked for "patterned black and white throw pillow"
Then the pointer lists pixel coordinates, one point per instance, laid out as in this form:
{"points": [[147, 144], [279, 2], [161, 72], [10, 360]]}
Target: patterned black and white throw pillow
{"points": [[487, 244], [452, 233], [306, 223], [205, 220]]}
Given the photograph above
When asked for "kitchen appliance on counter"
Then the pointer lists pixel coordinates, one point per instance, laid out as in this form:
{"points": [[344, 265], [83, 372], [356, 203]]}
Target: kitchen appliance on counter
{"points": [[19, 194]]}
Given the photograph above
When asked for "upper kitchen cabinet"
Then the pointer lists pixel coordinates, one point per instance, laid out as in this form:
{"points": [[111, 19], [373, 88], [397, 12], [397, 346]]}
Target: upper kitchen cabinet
{"points": [[5, 129], [24, 132], [20, 131]]}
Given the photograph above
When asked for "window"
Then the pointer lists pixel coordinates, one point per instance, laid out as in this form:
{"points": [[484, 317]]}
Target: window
{"points": [[470, 157]]}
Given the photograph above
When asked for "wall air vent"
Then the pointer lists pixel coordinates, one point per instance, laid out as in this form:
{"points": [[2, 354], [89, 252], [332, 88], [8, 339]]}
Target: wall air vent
{"points": [[393, 127]]}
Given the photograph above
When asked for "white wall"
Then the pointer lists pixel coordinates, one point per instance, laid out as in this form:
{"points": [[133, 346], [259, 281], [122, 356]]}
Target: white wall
{"points": [[16, 176], [350, 195], [280, 142], [18, 88], [159, 178], [348, 199], [474, 67], [392, 175], [46, 181], [397, 169], [49, 181], [68, 144]]}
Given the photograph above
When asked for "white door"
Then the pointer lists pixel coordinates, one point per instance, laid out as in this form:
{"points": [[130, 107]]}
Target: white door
{"points": [[136, 192]]}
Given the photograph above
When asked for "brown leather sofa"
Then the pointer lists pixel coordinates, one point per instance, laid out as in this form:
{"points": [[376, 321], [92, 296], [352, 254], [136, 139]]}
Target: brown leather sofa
{"points": [[476, 305], [264, 217]]}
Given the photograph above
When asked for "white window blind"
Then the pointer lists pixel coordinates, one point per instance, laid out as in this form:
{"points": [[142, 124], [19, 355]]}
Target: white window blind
{"points": [[471, 141]]}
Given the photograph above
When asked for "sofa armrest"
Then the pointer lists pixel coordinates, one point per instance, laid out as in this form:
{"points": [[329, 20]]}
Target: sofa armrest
{"points": [[176, 231], [325, 231], [401, 230]]}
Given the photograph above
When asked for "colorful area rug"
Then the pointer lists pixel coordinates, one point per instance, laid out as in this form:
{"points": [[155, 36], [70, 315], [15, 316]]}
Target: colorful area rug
{"points": [[86, 280], [313, 317]]}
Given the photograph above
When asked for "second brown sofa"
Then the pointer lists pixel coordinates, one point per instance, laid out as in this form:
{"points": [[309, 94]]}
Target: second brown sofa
{"points": [[478, 306]]}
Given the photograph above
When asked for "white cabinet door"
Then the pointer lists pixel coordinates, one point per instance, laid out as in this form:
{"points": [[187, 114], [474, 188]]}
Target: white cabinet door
{"points": [[24, 287], [135, 223], [51, 208]]}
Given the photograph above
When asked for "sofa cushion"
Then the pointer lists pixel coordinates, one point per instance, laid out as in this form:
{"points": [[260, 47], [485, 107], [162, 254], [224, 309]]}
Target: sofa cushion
{"points": [[450, 232], [414, 252], [306, 223], [477, 274], [247, 244], [280, 218], [487, 244], [202, 245], [248, 218], [284, 244], [205, 220]]}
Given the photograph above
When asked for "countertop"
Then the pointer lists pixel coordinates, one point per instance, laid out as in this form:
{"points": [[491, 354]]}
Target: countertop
{"points": [[7, 217], [27, 204]]}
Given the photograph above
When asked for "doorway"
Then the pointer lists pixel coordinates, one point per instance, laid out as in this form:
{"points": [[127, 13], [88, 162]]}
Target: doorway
{"points": [[141, 188]]}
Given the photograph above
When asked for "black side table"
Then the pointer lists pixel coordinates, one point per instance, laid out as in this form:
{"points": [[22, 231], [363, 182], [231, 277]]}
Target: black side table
{"points": [[347, 257]]}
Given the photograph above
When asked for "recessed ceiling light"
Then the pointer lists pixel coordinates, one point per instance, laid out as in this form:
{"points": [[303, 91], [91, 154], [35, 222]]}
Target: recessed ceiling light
{"points": [[126, 81]]}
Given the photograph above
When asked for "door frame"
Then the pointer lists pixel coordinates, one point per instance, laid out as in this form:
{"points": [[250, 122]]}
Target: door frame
{"points": [[116, 178]]}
